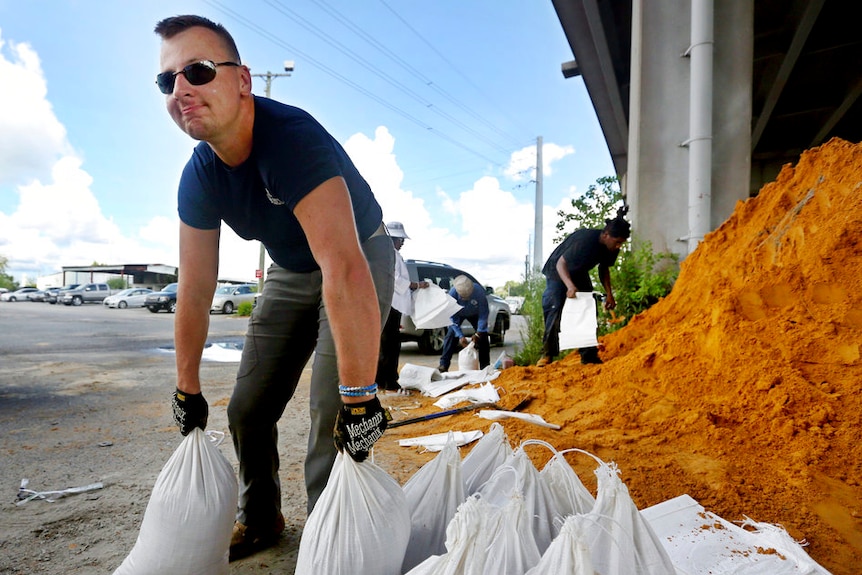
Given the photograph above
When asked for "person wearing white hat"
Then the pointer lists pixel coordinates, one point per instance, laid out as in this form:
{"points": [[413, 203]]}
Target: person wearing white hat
{"points": [[402, 304]]}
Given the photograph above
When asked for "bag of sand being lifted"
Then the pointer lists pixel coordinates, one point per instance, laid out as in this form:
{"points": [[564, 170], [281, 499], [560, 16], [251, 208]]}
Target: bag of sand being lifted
{"points": [[189, 519], [360, 524]]}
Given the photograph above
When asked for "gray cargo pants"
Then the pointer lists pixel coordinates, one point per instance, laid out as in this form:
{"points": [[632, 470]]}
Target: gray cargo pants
{"points": [[287, 325]]}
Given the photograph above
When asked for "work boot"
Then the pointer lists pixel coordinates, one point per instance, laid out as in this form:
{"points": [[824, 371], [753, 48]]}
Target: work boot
{"points": [[590, 355], [247, 540], [544, 360]]}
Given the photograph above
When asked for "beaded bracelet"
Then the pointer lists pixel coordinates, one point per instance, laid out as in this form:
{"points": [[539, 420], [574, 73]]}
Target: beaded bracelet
{"points": [[357, 391]]}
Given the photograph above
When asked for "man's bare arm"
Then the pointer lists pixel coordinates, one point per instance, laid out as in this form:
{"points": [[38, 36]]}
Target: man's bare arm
{"points": [[326, 216], [198, 275]]}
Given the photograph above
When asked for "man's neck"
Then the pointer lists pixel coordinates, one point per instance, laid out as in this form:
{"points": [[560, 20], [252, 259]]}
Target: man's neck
{"points": [[234, 147]]}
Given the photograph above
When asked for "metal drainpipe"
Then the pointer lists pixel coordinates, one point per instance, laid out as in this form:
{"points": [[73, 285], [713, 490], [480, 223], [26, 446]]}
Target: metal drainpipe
{"points": [[700, 120]]}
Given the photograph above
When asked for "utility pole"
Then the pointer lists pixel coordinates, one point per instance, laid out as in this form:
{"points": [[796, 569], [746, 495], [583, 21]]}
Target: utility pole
{"points": [[288, 68], [537, 228]]}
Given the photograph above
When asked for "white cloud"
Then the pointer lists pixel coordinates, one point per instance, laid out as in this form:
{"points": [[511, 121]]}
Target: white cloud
{"points": [[31, 138], [57, 220], [487, 230], [522, 164]]}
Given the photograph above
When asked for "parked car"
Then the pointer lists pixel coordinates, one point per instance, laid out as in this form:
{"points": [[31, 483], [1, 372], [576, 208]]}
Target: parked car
{"points": [[227, 298], [515, 302], [86, 293], [53, 294], [431, 340], [132, 297], [18, 294], [163, 300], [38, 295]]}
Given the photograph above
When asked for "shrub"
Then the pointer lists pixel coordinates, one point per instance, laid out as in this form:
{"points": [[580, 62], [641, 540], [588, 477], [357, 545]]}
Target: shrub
{"points": [[245, 308]]}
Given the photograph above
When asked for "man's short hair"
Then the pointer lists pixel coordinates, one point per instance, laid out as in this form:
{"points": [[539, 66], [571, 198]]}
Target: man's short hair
{"points": [[170, 27], [464, 286]]}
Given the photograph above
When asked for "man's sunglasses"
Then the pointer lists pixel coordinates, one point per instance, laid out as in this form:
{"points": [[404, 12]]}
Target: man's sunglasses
{"points": [[197, 74]]}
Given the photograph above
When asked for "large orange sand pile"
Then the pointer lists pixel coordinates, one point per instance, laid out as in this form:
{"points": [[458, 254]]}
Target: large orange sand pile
{"points": [[741, 388]]}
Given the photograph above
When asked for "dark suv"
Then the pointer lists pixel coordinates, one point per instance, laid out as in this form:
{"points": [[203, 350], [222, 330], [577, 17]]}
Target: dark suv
{"points": [[163, 300], [431, 340]]}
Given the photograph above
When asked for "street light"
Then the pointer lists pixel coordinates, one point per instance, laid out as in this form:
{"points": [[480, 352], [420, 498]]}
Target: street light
{"points": [[288, 68]]}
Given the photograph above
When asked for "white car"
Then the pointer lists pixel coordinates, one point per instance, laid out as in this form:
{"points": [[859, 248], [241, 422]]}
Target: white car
{"points": [[132, 297], [18, 295], [228, 298]]}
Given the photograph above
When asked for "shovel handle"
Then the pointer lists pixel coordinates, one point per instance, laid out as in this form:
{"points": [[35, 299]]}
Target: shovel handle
{"points": [[441, 414]]}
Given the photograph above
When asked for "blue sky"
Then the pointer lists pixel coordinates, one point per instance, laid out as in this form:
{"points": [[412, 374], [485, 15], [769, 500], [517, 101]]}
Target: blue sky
{"points": [[438, 103]]}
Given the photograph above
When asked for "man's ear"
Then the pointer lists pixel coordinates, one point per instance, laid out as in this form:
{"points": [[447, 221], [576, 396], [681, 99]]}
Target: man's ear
{"points": [[245, 80]]}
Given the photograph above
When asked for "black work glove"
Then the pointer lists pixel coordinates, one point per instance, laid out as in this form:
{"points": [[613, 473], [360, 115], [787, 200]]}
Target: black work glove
{"points": [[359, 425], [190, 411]]}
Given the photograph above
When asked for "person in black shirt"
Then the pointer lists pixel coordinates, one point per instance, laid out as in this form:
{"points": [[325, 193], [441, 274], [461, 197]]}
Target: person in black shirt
{"points": [[567, 272]]}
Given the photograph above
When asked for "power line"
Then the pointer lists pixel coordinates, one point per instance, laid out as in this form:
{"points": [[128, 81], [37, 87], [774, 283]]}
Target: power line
{"points": [[442, 56], [340, 77], [370, 66], [412, 70]]}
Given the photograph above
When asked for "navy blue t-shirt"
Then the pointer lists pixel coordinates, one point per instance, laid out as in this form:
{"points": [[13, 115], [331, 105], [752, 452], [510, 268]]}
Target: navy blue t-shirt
{"points": [[291, 155], [583, 251]]}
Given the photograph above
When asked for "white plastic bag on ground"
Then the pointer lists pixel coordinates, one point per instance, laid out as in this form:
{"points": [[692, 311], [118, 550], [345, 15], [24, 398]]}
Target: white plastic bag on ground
{"points": [[578, 322], [468, 358], [492, 451], [433, 307], [485, 393], [433, 496], [187, 526], [360, 524]]}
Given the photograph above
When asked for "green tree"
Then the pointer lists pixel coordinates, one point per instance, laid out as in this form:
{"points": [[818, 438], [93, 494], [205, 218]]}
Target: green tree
{"points": [[599, 203], [117, 283], [6, 281], [531, 311]]}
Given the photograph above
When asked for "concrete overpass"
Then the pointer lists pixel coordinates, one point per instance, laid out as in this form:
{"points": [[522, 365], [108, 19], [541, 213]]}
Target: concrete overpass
{"points": [[702, 101]]}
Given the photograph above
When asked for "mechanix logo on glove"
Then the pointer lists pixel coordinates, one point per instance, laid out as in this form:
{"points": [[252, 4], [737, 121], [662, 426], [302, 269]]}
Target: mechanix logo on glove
{"points": [[189, 411], [358, 426]]}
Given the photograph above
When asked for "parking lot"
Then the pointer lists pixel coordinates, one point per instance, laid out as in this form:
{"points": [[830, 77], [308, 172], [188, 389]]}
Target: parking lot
{"points": [[84, 398]]}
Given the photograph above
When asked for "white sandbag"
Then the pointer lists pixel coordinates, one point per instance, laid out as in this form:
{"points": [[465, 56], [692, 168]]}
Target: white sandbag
{"points": [[489, 453], [540, 500], [578, 322], [360, 524], [623, 542], [511, 548], [468, 358], [188, 522], [518, 477], [566, 487], [569, 553], [467, 540], [433, 307], [433, 495]]}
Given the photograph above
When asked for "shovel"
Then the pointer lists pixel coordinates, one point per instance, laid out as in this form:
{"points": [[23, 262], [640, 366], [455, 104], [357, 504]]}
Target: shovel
{"points": [[448, 412]]}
